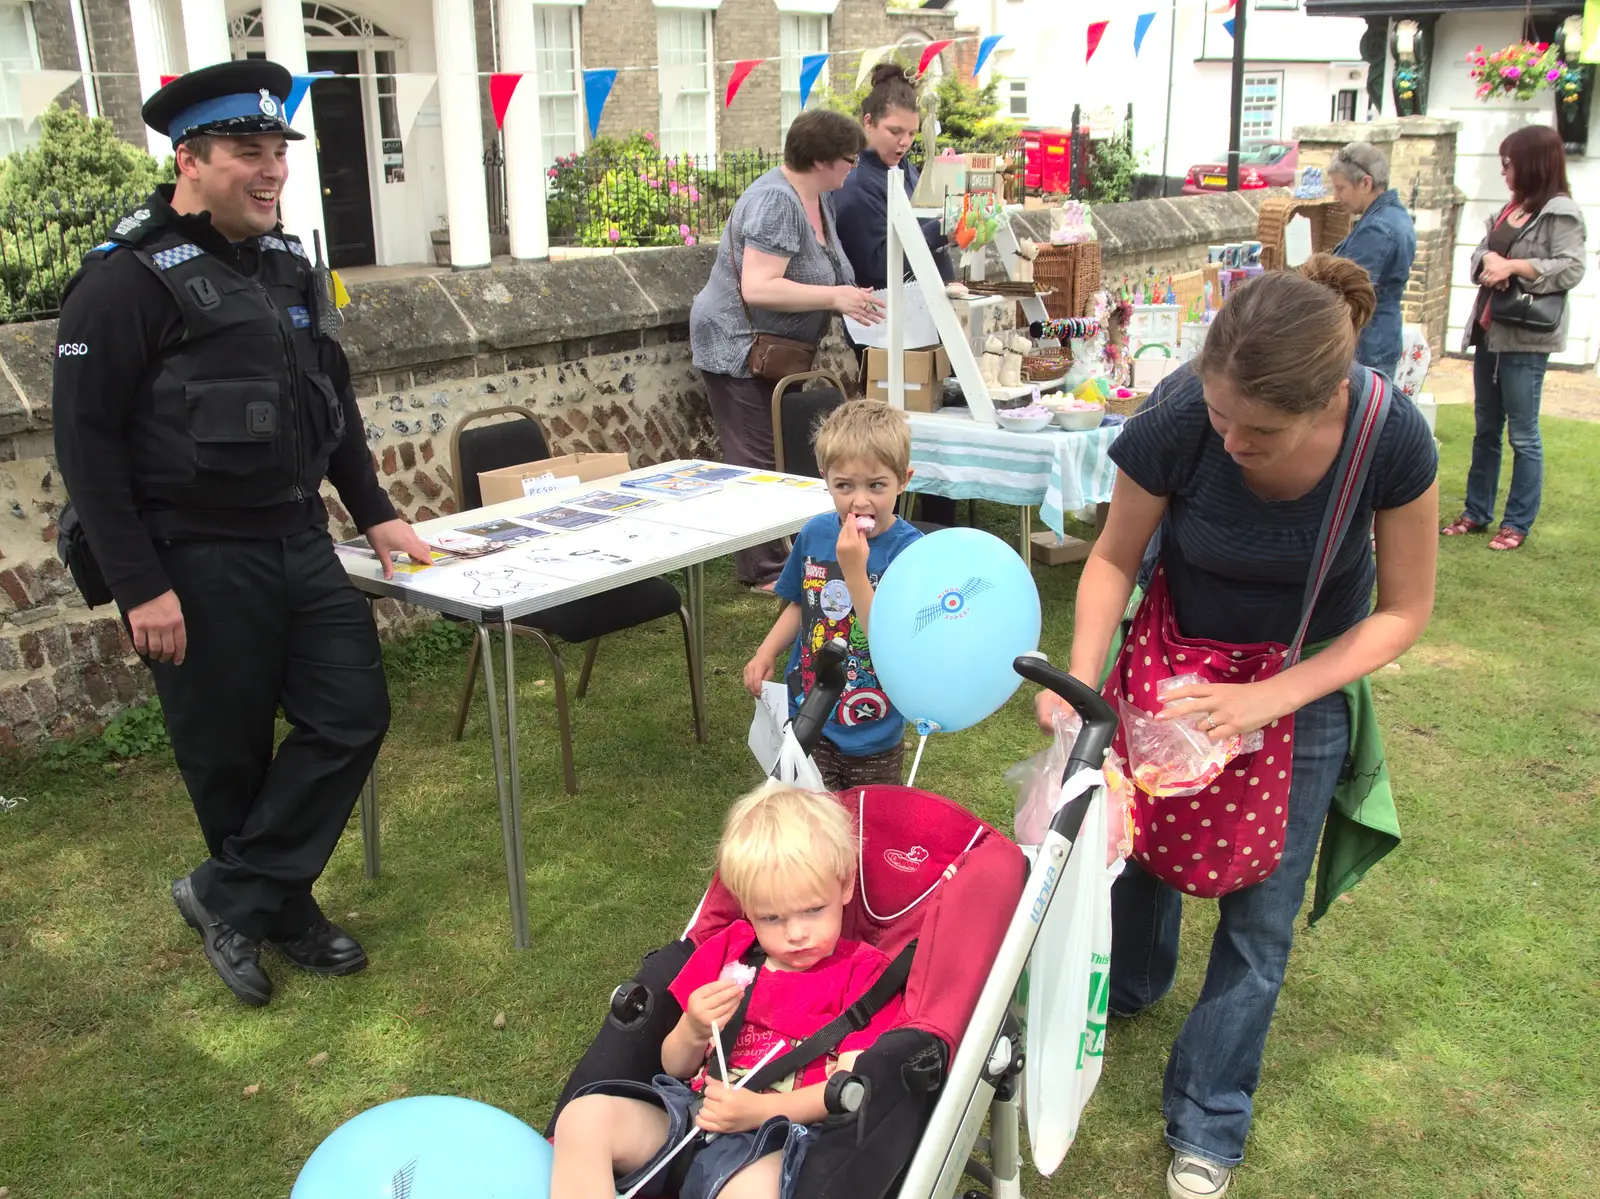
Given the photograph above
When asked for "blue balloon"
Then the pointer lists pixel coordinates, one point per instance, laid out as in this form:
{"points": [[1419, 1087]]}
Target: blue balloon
{"points": [[949, 615], [429, 1147]]}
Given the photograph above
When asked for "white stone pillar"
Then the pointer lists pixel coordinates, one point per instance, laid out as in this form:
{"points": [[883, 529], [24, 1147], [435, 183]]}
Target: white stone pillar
{"points": [[150, 55], [456, 55], [205, 33], [302, 197], [523, 133]]}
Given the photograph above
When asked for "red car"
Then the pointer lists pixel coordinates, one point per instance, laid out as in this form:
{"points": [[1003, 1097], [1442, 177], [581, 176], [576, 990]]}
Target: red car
{"points": [[1261, 164]]}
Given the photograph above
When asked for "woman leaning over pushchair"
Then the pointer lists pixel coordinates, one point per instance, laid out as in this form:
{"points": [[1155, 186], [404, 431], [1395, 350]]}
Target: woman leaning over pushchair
{"points": [[1226, 476]]}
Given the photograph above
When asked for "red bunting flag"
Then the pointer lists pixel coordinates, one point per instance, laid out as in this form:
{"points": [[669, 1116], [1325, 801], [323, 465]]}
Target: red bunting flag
{"points": [[930, 52], [501, 89], [1225, 6], [741, 71], [166, 79], [1097, 30]]}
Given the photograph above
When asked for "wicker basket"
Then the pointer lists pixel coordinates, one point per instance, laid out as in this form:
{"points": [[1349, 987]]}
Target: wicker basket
{"points": [[1330, 225], [1072, 274], [1045, 365], [1128, 406]]}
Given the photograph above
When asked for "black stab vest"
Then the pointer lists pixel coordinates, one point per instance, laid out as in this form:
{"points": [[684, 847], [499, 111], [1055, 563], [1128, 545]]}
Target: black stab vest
{"points": [[237, 414]]}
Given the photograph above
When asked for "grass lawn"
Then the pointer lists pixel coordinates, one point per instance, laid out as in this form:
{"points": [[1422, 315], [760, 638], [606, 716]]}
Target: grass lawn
{"points": [[1436, 1036]]}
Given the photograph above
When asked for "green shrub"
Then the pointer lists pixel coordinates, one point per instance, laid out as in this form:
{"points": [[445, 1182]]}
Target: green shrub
{"points": [[58, 199]]}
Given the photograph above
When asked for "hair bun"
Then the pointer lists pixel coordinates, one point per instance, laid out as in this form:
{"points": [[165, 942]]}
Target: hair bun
{"points": [[886, 71], [1349, 281]]}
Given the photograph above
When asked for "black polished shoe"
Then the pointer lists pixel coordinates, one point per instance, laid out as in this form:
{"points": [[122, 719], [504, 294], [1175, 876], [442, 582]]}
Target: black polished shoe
{"points": [[324, 948], [234, 957]]}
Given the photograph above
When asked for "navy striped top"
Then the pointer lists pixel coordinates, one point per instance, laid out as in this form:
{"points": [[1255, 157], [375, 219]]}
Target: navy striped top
{"points": [[1238, 565]]}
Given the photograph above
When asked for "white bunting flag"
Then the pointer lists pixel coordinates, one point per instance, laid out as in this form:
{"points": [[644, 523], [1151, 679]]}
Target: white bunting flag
{"points": [[410, 94], [38, 90]]}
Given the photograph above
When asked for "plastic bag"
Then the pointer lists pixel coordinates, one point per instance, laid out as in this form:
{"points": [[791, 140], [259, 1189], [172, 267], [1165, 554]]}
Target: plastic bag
{"points": [[1176, 757], [1068, 990], [1037, 783], [795, 767]]}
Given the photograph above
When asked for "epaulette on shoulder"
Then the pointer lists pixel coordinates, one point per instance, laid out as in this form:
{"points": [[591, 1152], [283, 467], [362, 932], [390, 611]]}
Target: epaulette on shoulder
{"points": [[133, 228]]}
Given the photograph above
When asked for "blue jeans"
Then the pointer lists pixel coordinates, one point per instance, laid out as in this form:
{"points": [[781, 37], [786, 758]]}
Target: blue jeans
{"points": [[1215, 1063], [1506, 392]]}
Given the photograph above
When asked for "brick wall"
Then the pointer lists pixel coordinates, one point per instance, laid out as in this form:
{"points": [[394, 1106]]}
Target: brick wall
{"points": [[58, 44], [110, 35], [1422, 168]]}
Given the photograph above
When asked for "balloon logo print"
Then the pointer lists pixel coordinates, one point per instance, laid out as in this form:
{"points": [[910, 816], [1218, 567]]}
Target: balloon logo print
{"points": [[952, 604]]}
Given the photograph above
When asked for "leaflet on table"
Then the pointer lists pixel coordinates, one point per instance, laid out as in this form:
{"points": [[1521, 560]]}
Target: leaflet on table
{"points": [[498, 580], [611, 501], [565, 519], [361, 548], [614, 547], [483, 537], [716, 472], [794, 481], [673, 485]]}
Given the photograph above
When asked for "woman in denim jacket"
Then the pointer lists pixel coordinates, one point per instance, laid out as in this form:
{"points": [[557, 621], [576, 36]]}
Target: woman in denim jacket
{"points": [[1384, 241], [1537, 240]]}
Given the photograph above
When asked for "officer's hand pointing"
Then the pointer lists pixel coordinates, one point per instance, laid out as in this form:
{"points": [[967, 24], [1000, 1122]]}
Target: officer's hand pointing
{"points": [[397, 537], [157, 628]]}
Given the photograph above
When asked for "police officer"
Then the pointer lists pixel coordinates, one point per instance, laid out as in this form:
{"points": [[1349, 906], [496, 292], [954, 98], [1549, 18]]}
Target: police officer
{"points": [[196, 415]]}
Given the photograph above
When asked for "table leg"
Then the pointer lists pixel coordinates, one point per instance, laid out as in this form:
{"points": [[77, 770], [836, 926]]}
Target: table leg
{"points": [[1025, 544], [510, 823], [695, 581], [369, 798]]}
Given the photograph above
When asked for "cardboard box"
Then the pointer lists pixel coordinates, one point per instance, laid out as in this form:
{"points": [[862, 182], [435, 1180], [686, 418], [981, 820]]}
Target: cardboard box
{"points": [[504, 484], [925, 373]]}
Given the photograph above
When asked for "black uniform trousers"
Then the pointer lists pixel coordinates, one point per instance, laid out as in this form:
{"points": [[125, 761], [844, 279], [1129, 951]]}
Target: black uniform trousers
{"points": [[270, 623]]}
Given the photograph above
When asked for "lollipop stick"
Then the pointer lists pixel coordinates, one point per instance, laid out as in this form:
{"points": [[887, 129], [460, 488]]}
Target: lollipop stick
{"points": [[722, 1062]]}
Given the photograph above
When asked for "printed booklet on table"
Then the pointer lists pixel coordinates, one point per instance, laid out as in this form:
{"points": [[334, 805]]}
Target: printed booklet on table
{"points": [[673, 485], [567, 519], [715, 472], [610, 501]]}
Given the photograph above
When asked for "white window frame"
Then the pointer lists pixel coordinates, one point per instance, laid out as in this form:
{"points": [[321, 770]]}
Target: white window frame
{"points": [[1016, 89], [708, 84], [1259, 129], [548, 98], [19, 134], [1285, 5], [790, 57]]}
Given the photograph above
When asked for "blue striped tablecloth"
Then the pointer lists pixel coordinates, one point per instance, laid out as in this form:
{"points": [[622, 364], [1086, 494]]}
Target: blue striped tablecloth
{"points": [[1055, 470]]}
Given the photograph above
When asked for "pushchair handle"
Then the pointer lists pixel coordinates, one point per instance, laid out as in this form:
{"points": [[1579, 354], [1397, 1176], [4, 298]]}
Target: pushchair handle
{"points": [[824, 697], [1099, 718]]}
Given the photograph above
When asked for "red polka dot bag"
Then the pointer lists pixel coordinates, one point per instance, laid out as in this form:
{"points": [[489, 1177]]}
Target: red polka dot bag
{"points": [[1211, 820]]}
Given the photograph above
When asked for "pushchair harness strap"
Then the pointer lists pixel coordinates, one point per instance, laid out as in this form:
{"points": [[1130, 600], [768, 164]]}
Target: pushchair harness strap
{"points": [[832, 1034]]}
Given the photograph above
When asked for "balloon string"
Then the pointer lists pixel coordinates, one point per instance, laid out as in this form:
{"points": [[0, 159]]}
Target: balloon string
{"points": [[922, 742]]}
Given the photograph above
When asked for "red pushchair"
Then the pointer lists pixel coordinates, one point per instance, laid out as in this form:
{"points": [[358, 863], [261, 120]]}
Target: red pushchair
{"points": [[955, 904]]}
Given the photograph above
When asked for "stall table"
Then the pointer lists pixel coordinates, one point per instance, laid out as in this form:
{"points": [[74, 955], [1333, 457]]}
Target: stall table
{"points": [[641, 546]]}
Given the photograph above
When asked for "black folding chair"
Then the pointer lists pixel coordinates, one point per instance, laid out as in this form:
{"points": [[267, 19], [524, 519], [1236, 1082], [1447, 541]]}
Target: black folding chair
{"points": [[509, 443], [795, 417]]}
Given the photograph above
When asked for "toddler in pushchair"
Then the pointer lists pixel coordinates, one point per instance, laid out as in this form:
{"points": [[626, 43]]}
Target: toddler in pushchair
{"points": [[862, 951]]}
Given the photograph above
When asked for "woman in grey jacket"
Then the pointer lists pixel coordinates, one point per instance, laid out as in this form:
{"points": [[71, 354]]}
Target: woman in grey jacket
{"points": [[1536, 243]]}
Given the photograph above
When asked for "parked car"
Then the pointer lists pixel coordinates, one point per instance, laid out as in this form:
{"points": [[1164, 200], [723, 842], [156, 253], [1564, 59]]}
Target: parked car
{"points": [[1261, 164]]}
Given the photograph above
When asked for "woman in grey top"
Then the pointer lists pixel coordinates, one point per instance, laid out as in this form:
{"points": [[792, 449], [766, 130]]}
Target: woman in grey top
{"points": [[779, 269], [1536, 241]]}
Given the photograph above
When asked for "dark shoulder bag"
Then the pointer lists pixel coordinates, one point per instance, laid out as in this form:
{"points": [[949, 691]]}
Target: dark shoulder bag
{"points": [[773, 357], [1525, 310]]}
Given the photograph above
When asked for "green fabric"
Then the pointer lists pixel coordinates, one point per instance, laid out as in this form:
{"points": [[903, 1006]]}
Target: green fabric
{"points": [[1363, 825]]}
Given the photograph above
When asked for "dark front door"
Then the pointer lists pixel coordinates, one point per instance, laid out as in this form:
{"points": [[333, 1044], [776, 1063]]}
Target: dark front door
{"points": [[342, 160]]}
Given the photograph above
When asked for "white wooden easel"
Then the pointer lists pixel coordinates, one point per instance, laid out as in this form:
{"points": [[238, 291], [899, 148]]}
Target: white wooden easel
{"points": [[906, 244]]}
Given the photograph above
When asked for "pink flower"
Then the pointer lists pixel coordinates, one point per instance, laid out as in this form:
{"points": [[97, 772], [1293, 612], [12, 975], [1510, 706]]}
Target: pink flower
{"points": [[1552, 75], [689, 241], [650, 137], [694, 196], [683, 231], [551, 172], [673, 190], [656, 183], [643, 178], [614, 234], [1512, 72]]}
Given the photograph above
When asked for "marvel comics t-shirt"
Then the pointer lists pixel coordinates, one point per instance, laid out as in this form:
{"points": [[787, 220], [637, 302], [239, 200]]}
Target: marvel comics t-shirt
{"points": [[864, 721]]}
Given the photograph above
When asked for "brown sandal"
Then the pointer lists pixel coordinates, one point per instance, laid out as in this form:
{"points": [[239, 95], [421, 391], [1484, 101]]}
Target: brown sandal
{"points": [[1460, 526], [1507, 539]]}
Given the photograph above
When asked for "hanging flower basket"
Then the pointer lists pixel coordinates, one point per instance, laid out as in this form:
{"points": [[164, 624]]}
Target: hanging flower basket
{"points": [[1519, 72]]}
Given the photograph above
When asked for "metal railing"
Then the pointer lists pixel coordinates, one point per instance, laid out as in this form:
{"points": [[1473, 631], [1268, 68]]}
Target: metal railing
{"points": [[43, 244]]}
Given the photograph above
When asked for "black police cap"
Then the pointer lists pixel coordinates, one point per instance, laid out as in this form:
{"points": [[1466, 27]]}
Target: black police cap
{"points": [[229, 99]]}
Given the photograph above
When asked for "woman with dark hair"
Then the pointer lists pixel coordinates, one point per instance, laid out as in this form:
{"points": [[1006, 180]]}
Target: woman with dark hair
{"points": [[779, 273], [889, 121], [1534, 247], [1225, 474]]}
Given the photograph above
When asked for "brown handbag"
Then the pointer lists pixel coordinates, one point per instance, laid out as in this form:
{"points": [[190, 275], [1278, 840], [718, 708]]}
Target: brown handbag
{"points": [[773, 357]]}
